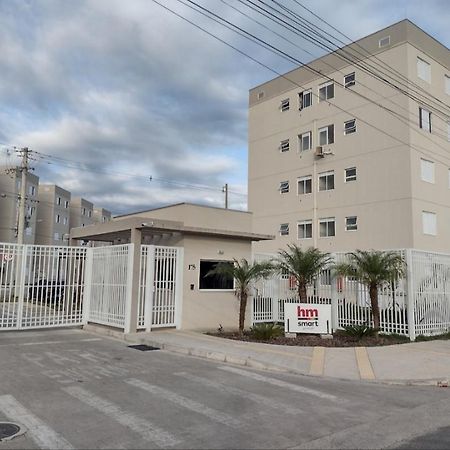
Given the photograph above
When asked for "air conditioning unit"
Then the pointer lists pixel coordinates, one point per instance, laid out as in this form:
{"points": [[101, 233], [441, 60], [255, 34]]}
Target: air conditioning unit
{"points": [[319, 152]]}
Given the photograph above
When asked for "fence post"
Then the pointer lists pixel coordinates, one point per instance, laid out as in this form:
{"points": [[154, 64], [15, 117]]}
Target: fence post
{"points": [[410, 295], [22, 265], [132, 288], [334, 300], [149, 288], [87, 292], [179, 287]]}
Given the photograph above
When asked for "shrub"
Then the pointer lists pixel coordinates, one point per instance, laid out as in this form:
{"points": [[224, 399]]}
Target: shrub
{"points": [[359, 331], [422, 338], [266, 331]]}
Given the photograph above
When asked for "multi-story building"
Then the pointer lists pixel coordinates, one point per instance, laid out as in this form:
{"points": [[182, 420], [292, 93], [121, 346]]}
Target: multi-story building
{"points": [[341, 159], [10, 187], [101, 215], [53, 215], [81, 213]]}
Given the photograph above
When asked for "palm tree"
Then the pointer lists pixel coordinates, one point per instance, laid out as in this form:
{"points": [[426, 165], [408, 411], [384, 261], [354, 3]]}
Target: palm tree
{"points": [[303, 265], [374, 269], [244, 275]]}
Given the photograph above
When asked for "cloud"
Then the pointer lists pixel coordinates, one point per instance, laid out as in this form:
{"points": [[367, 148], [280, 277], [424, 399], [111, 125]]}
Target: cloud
{"points": [[130, 91]]}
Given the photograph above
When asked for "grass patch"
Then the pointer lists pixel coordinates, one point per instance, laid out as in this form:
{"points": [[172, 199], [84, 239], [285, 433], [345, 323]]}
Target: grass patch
{"points": [[422, 338]]}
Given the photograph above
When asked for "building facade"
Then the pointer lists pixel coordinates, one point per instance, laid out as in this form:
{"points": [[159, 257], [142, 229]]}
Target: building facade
{"points": [[81, 212], [101, 215], [10, 184], [341, 159], [53, 215]]}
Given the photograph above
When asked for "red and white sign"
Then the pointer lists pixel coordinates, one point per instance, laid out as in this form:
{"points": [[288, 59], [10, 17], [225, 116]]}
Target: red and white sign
{"points": [[307, 318], [6, 257]]}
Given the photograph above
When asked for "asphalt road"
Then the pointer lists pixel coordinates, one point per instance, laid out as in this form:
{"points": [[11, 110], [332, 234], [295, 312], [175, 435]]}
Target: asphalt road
{"points": [[71, 389]]}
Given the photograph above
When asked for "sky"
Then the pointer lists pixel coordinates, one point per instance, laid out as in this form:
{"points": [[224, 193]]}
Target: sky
{"points": [[138, 108]]}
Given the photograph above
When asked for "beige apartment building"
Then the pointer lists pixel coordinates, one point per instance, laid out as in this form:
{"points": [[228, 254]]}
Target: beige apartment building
{"points": [[81, 212], [101, 215], [341, 160], [10, 183], [53, 215]]}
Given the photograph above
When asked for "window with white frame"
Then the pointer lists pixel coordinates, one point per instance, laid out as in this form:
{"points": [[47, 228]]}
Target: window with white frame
{"points": [[28, 231], [423, 70], [447, 84], [32, 190], [89, 213], [56, 236], [425, 119], [284, 229], [214, 282], [326, 135], [427, 170], [57, 218], [305, 141], [304, 229], [351, 223], [384, 42], [83, 211], [429, 223], [284, 187], [305, 99], [350, 174], [66, 204], [304, 185], [350, 126], [326, 181], [326, 91], [327, 227], [349, 80], [65, 221], [284, 105], [284, 145], [58, 200]]}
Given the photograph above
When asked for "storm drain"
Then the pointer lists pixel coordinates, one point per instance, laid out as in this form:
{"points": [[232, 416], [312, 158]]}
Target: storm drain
{"points": [[143, 347], [8, 430]]}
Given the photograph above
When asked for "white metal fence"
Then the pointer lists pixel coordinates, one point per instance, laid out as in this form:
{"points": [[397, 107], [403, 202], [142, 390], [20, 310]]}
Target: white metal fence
{"points": [[160, 286], [41, 286], [417, 304], [109, 284]]}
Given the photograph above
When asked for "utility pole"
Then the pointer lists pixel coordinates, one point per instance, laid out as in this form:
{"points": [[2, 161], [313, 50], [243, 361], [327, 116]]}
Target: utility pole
{"points": [[24, 168], [225, 190]]}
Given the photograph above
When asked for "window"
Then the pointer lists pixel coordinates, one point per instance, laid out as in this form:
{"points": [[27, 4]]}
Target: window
{"points": [[350, 174], [104, 219], [57, 218], [327, 227], [56, 236], [425, 119], [326, 91], [351, 223], [83, 211], [383, 42], [260, 95], [58, 200], [214, 282], [326, 181], [284, 187], [66, 204], [284, 229], [423, 70], [305, 99], [349, 80], [304, 185], [305, 141], [326, 135], [28, 231], [304, 229], [89, 213], [65, 220], [284, 145], [447, 84], [284, 105], [350, 126], [32, 190], [429, 223], [427, 170]]}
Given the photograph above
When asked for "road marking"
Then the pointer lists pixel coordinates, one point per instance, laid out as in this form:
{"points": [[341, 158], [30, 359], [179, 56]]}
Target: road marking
{"points": [[280, 383], [24, 344], [145, 429], [40, 432], [241, 393], [364, 365], [318, 361], [187, 403]]}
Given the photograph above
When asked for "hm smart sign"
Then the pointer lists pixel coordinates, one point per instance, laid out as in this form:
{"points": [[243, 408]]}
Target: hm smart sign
{"points": [[307, 318]]}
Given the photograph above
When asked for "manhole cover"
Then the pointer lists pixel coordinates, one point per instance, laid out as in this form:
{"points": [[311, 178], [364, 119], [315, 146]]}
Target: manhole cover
{"points": [[143, 347], [8, 430]]}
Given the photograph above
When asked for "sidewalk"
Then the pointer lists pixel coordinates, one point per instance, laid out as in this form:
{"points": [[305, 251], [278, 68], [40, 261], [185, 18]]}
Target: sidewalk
{"points": [[415, 363]]}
